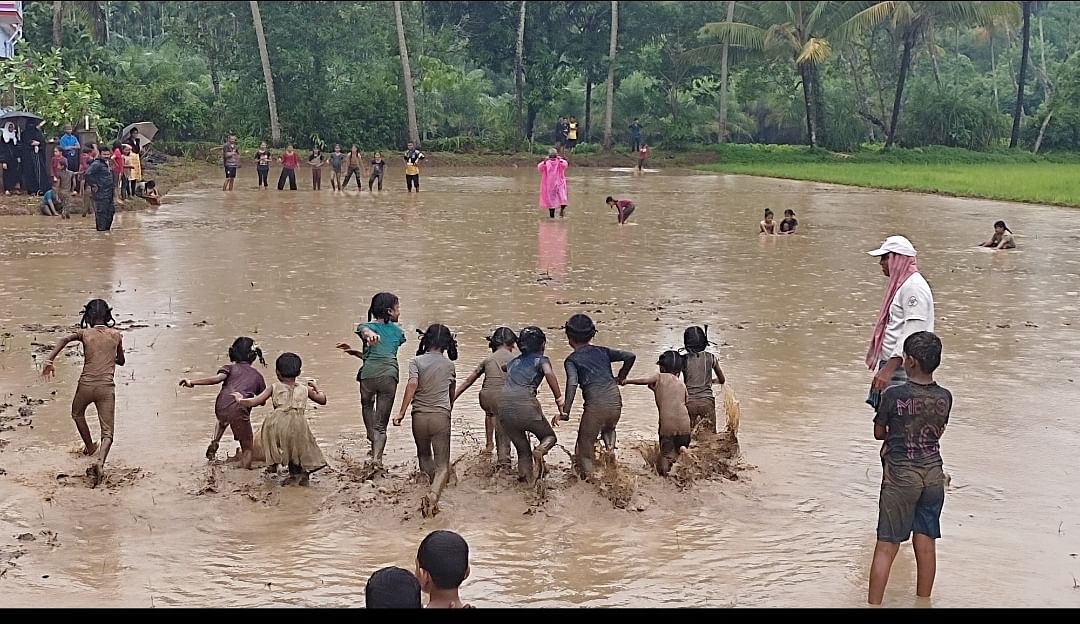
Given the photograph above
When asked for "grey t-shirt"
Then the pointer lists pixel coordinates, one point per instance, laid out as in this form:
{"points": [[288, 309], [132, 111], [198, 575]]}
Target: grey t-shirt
{"points": [[434, 373], [493, 368], [698, 375]]}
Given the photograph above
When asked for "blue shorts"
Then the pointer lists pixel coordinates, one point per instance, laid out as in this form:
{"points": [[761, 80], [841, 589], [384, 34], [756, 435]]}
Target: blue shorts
{"points": [[911, 501], [899, 377]]}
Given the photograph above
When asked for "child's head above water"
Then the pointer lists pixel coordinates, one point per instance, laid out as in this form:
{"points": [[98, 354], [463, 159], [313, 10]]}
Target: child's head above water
{"points": [[531, 340], [789, 214], [384, 307], [442, 561], [392, 588], [671, 362], [580, 329], [97, 312], [502, 337], [1001, 228], [695, 339], [438, 337], [922, 353], [768, 214], [243, 349], [288, 366]]}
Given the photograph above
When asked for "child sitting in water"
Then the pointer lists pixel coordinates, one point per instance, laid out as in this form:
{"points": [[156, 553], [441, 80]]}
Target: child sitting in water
{"points": [[788, 225], [698, 368], [148, 191], [493, 369], [103, 351], [286, 436], [624, 208], [1002, 238], [51, 206], [442, 565], [768, 224], [671, 398], [431, 391], [519, 411], [236, 377]]}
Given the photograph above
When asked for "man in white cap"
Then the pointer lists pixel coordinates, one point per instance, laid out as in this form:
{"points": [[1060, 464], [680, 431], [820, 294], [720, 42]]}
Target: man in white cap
{"points": [[906, 308]]}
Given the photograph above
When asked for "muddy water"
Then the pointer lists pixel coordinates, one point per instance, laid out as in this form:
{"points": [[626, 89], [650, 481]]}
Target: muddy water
{"points": [[792, 317]]}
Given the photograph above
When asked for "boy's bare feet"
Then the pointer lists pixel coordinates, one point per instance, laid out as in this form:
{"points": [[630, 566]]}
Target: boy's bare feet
{"points": [[538, 465], [271, 469], [429, 507], [304, 479], [96, 472], [211, 450]]}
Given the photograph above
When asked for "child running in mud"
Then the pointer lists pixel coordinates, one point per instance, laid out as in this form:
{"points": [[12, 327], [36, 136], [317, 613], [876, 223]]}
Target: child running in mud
{"points": [[910, 421], [624, 208], [589, 367], [671, 398], [378, 376], [103, 351], [698, 369], [237, 377], [431, 391], [519, 410], [286, 436], [442, 565], [493, 370]]}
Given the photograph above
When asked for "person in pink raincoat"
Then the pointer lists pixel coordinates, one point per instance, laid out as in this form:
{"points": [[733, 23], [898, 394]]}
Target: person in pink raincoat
{"points": [[553, 183]]}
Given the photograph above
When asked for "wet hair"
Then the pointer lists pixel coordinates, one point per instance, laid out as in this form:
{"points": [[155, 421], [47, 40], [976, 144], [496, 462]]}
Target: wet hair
{"points": [[580, 328], [768, 212], [288, 365], [392, 588], [789, 211], [502, 337], [150, 184], [672, 362], [243, 349], [531, 339], [925, 348], [696, 339], [438, 336], [381, 304], [445, 556], [97, 312], [609, 199], [1001, 224]]}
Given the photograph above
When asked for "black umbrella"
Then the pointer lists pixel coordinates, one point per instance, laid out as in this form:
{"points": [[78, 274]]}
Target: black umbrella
{"points": [[20, 116]]}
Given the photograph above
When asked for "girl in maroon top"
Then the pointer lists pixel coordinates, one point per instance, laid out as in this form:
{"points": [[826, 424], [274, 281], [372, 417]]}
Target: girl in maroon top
{"points": [[117, 168], [289, 162], [625, 208]]}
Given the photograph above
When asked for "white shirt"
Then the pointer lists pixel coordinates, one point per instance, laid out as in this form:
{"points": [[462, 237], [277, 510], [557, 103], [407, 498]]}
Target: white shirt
{"points": [[911, 310]]}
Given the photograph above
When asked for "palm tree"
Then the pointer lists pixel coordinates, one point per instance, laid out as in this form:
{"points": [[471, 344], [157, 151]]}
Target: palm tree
{"points": [[519, 79], [275, 128], [406, 70], [793, 30], [914, 21], [57, 23], [1027, 8], [724, 78], [609, 107]]}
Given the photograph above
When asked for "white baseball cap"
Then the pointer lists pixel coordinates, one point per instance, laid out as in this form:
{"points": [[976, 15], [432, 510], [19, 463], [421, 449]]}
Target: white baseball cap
{"points": [[895, 244]]}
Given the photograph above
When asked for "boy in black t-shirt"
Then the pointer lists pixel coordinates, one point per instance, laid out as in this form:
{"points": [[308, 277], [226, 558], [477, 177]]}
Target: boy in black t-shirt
{"points": [[910, 420]]}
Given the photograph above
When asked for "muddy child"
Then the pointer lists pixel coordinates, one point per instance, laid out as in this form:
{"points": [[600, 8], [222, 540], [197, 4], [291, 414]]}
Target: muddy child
{"points": [[286, 437], [671, 398], [103, 351], [378, 376], [519, 410], [698, 370], [442, 565], [910, 421], [431, 389], [589, 367], [493, 370], [239, 376], [623, 208]]}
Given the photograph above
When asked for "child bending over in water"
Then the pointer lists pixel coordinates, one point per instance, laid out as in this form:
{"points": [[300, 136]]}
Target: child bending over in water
{"points": [[519, 411], [237, 377], [1002, 238], [431, 391], [493, 369], [698, 368], [590, 367], [286, 436], [768, 224], [103, 351], [442, 565], [624, 208], [671, 401]]}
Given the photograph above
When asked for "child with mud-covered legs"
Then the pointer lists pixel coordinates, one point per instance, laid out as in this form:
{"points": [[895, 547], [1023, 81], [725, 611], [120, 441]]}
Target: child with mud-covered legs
{"points": [[493, 370], [103, 351], [699, 366], [589, 367], [910, 421], [671, 397], [519, 410]]}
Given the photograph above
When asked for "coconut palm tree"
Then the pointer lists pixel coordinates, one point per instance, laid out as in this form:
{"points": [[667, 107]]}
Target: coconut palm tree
{"points": [[723, 133], [914, 22], [792, 29], [519, 80], [1027, 9], [268, 77], [406, 70], [609, 107]]}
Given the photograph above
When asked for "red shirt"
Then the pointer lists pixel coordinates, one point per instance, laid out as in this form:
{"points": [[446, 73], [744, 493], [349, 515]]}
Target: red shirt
{"points": [[623, 203], [118, 161], [643, 153], [84, 161], [290, 161], [59, 163]]}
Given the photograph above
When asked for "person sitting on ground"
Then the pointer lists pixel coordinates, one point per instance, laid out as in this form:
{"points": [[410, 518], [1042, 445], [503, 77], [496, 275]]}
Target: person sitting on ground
{"points": [[392, 588], [442, 565], [51, 206], [768, 224], [148, 191], [1002, 238], [788, 225], [625, 208]]}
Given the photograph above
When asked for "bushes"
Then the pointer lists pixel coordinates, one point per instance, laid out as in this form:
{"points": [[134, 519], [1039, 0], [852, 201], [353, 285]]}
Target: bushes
{"points": [[950, 118]]}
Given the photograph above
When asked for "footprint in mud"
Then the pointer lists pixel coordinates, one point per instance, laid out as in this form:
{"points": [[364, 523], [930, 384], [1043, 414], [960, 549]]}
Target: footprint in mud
{"points": [[111, 479]]}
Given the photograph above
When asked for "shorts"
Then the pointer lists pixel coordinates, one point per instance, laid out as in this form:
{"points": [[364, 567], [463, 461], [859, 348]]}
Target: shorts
{"points": [[230, 173], [241, 427], [899, 377], [911, 501]]}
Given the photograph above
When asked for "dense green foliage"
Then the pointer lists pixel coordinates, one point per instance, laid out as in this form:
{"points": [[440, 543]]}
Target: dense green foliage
{"points": [[194, 69]]}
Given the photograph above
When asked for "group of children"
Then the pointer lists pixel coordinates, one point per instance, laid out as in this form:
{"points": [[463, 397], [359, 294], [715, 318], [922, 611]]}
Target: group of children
{"points": [[343, 166], [441, 566], [770, 226]]}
